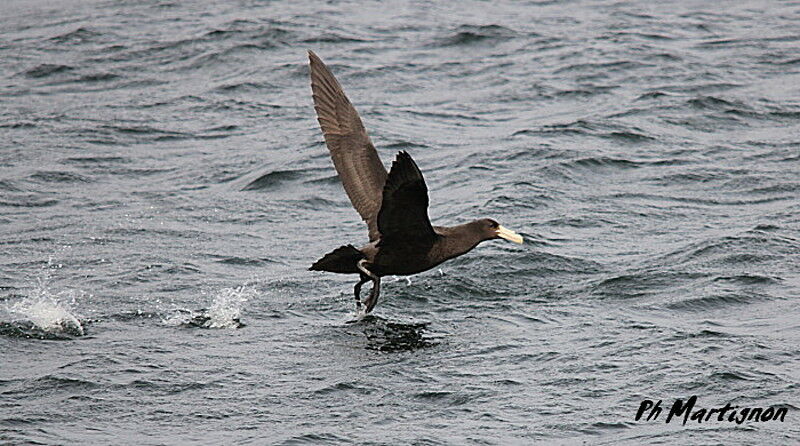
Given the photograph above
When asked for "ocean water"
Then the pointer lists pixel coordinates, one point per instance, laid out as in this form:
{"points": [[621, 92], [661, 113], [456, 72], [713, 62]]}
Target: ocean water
{"points": [[164, 187]]}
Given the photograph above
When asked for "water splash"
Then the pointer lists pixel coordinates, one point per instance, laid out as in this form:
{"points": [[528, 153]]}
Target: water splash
{"points": [[47, 310], [227, 306], [407, 279], [224, 312]]}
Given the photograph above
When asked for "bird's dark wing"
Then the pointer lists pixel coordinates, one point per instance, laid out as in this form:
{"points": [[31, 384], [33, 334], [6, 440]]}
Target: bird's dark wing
{"points": [[353, 154], [404, 211]]}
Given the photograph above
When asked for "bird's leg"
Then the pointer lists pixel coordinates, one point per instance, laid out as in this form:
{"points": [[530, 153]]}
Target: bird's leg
{"points": [[357, 290], [376, 285]]}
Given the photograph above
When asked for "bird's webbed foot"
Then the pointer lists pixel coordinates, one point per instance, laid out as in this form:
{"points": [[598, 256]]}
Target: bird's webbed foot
{"points": [[357, 290], [372, 300]]}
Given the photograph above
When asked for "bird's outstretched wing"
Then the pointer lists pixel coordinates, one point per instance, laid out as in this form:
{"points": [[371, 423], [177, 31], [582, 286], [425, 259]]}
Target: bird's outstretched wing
{"points": [[360, 169], [403, 216]]}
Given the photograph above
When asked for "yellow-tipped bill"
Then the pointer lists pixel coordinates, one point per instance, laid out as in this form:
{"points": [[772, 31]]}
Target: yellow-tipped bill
{"points": [[508, 234]]}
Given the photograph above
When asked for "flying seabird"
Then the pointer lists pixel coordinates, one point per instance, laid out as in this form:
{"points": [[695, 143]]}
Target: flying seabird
{"points": [[394, 205]]}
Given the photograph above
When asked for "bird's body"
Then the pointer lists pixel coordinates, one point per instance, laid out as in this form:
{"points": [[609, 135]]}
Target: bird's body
{"points": [[394, 205], [408, 258]]}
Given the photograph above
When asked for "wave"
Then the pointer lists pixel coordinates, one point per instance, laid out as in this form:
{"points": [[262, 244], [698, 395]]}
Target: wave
{"points": [[29, 202], [618, 65], [332, 37], [713, 301], [60, 177], [244, 87], [242, 261], [77, 36], [278, 178], [472, 34], [606, 130], [731, 251], [272, 180], [713, 103], [133, 133], [46, 69], [95, 160], [697, 200], [9, 186], [636, 284]]}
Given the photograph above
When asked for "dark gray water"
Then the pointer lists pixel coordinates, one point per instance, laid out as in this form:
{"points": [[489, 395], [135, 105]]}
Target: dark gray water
{"points": [[164, 186]]}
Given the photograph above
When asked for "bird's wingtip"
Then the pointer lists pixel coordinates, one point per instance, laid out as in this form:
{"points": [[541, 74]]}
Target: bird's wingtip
{"points": [[405, 158]]}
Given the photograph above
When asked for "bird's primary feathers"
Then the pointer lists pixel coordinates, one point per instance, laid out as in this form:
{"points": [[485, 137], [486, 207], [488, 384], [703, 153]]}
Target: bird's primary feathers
{"points": [[402, 240], [353, 154]]}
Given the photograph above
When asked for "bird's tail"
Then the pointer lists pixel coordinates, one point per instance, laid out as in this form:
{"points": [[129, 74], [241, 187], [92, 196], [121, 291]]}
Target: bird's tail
{"points": [[341, 260]]}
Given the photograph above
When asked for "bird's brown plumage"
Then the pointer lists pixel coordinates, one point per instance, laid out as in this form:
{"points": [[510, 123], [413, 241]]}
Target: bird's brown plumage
{"points": [[356, 161], [394, 205]]}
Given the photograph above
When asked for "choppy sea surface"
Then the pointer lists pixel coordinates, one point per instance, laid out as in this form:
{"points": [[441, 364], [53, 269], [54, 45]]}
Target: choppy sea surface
{"points": [[164, 187]]}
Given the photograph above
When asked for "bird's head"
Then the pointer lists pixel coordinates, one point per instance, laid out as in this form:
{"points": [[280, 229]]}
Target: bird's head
{"points": [[491, 229]]}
